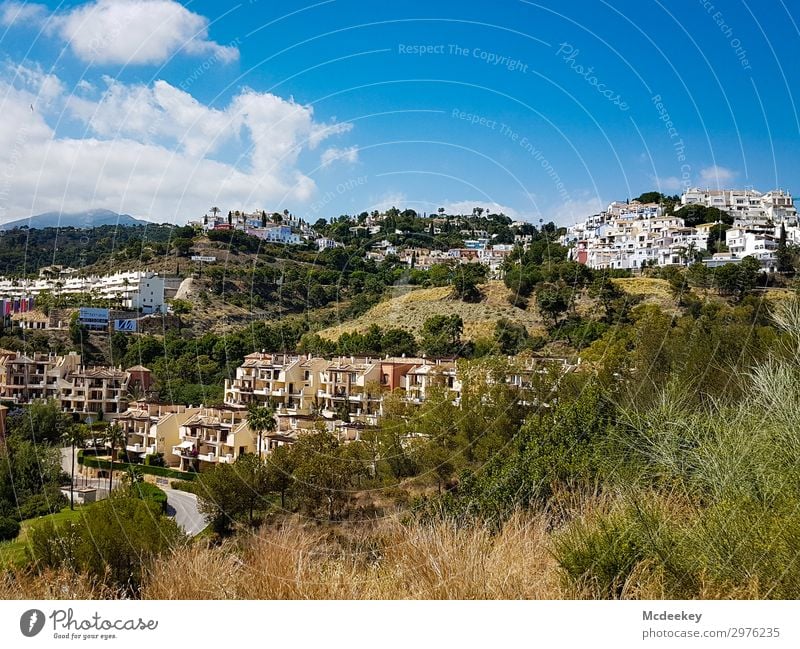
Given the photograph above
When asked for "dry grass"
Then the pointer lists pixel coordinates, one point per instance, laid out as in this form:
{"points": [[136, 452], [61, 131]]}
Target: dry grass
{"points": [[385, 561], [409, 308], [52, 584]]}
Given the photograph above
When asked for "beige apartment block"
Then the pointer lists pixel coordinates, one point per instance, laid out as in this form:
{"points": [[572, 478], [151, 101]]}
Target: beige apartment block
{"points": [[154, 428], [25, 378], [213, 435]]}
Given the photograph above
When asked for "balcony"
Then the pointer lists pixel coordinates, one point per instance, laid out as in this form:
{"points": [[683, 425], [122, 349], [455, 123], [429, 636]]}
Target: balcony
{"points": [[226, 459], [185, 451], [207, 457], [135, 448]]}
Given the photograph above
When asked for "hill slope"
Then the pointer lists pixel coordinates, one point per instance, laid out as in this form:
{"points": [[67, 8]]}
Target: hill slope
{"points": [[409, 308]]}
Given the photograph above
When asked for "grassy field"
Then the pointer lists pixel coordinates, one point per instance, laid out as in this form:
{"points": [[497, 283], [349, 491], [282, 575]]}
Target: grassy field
{"points": [[13, 552]]}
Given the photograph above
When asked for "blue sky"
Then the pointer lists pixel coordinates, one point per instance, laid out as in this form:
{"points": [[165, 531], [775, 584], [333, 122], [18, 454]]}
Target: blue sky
{"points": [[544, 109]]}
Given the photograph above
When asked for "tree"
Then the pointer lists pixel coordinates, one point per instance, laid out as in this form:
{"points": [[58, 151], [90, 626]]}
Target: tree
{"points": [[74, 436], [465, 280], [783, 253], [553, 299], [441, 335], [231, 491], [261, 420], [253, 473], [610, 296], [40, 422], [116, 439], [510, 337], [398, 342], [738, 279], [280, 465], [323, 474]]}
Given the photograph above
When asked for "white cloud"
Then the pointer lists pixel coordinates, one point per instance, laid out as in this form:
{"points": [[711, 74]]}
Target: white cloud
{"points": [[147, 150], [716, 175], [131, 32], [387, 201], [572, 211], [324, 131], [667, 183], [17, 13], [333, 154]]}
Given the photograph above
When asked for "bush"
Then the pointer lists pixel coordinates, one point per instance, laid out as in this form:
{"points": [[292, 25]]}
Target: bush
{"points": [[147, 491], [42, 504], [9, 529], [155, 459], [184, 485], [114, 543], [600, 554]]}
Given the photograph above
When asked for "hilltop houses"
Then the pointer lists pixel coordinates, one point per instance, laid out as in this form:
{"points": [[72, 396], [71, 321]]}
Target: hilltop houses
{"points": [[634, 235]]}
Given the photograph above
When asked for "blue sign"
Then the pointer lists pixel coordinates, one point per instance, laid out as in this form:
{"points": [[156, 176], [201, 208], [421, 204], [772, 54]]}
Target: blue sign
{"points": [[128, 325]]}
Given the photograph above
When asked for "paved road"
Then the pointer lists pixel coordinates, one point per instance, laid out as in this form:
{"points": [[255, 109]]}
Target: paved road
{"points": [[183, 506], [180, 504]]}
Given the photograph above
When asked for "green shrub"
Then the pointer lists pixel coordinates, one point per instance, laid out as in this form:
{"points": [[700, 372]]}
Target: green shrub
{"points": [[154, 459], [42, 504], [598, 554], [147, 491], [9, 529], [184, 485], [114, 543]]}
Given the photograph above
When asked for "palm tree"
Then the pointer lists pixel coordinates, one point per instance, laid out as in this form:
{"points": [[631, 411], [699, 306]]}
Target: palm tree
{"points": [[115, 438], [75, 435], [261, 420], [215, 210]]}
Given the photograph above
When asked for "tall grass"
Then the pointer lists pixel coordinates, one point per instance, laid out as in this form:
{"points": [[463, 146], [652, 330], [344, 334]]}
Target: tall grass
{"points": [[388, 561], [713, 506]]}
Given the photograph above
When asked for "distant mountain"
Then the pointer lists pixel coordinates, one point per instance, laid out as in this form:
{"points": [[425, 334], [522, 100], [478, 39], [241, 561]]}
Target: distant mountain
{"points": [[87, 219]]}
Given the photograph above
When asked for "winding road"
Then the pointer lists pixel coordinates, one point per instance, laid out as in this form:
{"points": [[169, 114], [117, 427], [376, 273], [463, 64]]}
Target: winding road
{"points": [[181, 505]]}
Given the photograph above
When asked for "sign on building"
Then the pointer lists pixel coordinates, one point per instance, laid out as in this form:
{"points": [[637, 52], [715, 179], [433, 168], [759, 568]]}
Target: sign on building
{"points": [[127, 325], [202, 258], [93, 317]]}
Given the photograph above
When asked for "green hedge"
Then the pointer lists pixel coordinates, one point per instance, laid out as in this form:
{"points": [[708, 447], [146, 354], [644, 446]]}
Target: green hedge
{"points": [[161, 471], [147, 491], [190, 486]]}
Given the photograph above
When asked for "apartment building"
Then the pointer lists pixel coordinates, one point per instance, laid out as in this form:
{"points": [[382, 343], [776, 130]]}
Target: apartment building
{"points": [[136, 290], [95, 391], [152, 429], [748, 204], [25, 378], [215, 435], [428, 375], [350, 388]]}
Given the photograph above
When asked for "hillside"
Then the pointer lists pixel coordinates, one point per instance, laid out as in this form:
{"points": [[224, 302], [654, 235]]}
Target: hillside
{"points": [[409, 308]]}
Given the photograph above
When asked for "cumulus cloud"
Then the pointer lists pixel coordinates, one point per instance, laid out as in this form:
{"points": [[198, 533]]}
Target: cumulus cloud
{"points": [[148, 150], [716, 175], [334, 154], [132, 32]]}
